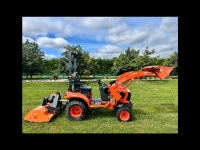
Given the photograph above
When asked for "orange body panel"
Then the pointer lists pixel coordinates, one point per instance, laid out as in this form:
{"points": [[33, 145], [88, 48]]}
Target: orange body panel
{"points": [[113, 91], [99, 105], [39, 114], [113, 103], [164, 72], [69, 95], [125, 91], [161, 71]]}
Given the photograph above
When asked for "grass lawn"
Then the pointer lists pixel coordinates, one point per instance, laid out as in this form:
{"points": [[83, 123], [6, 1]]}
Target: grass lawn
{"points": [[155, 109]]}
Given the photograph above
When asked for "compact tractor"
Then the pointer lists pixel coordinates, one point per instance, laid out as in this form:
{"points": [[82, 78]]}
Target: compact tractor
{"points": [[78, 98]]}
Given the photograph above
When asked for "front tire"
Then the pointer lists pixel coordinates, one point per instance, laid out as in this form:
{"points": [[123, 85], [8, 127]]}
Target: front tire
{"points": [[123, 114], [76, 110]]}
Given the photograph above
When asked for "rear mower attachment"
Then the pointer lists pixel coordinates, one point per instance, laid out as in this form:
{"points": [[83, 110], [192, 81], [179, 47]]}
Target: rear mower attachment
{"points": [[50, 107]]}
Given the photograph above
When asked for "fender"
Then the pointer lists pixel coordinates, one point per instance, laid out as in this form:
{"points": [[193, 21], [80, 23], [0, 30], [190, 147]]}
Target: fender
{"points": [[69, 95]]}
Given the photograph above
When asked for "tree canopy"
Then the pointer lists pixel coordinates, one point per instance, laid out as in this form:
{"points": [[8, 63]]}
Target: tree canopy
{"points": [[130, 60], [31, 58]]}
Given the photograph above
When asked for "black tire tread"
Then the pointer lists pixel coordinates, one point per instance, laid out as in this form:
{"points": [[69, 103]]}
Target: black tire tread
{"points": [[79, 103], [119, 110]]}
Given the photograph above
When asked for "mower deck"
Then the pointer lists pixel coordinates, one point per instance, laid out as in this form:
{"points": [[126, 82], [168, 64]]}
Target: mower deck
{"points": [[39, 114]]}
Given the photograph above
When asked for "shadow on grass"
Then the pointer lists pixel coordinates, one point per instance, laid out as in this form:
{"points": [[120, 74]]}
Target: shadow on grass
{"points": [[100, 113], [103, 113], [106, 113], [135, 112], [138, 111]]}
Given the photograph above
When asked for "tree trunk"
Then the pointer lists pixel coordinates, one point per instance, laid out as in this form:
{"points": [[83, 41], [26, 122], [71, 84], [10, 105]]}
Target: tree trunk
{"points": [[27, 76]]}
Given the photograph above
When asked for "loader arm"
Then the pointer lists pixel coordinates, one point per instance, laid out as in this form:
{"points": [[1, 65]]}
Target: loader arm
{"points": [[150, 71]]}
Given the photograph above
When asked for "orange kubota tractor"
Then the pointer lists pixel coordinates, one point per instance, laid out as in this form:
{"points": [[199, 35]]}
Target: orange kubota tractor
{"points": [[78, 100]]}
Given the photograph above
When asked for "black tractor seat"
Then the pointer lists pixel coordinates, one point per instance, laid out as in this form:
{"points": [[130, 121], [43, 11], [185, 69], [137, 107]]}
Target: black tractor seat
{"points": [[83, 88]]}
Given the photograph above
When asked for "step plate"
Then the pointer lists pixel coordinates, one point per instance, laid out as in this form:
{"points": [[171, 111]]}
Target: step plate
{"points": [[96, 101]]}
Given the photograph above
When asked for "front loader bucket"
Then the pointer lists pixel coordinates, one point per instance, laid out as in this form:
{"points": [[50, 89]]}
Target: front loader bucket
{"points": [[161, 71], [164, 72], [39, 114]]}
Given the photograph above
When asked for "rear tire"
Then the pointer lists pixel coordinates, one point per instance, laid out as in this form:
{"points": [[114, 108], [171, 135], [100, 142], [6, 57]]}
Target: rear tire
{"points": [[76, 110], [123, 114]]}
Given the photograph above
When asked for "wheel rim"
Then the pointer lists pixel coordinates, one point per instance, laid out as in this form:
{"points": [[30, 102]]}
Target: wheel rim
{"points": [[124, 115], [75, 111]]}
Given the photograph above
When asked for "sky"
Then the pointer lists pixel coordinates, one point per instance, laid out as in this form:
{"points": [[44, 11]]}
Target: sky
{"points": [[102, 37]]}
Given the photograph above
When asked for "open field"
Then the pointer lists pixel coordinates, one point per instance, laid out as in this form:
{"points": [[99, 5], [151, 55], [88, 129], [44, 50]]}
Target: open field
{"points": [[155, 109]]}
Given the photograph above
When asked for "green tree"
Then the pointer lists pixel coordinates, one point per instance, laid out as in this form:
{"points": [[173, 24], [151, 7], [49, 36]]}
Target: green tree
{"points": [[31, 58], [91, 65], [50, 66], [99, 62], [104, 65], [62, 66], [157, 61], [85, 64], [125, 61], [173, 61], [145, 59], [73, 49]]}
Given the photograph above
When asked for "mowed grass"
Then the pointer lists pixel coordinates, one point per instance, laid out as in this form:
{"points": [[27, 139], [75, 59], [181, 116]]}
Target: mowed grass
{"points": [[155, 109]]}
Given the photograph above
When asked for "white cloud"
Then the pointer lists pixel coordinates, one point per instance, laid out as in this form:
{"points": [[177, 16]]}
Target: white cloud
{"points": [[94, 23], [163, 39], [29, 39], [34, 26], [164, 54], [169, 24], [41, 26], [156, 37], [46, 56], [99, 38], [54, 43], [64, 26], [123, 34], [98, 23], [113, 30], [162, 50], [104, 55], [166, 34], [88, 46], [109, 49]]}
